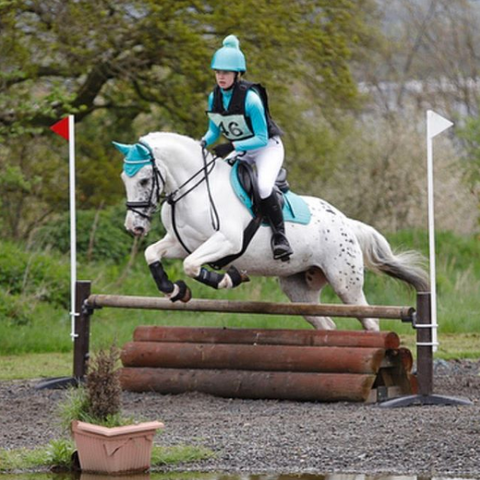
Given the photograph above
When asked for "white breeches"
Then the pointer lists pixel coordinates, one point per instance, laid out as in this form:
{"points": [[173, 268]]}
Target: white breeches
{"points": [[268, 161]]}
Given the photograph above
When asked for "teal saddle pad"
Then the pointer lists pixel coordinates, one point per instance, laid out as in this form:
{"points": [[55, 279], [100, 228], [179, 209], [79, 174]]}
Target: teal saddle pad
{"points": [[295, 209]]}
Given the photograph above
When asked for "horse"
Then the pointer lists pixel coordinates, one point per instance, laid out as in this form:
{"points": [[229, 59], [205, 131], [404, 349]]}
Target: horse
{"points": [[205, 221]]}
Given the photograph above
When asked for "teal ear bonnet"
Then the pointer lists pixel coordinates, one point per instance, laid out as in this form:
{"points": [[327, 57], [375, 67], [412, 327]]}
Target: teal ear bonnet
{"points": [[136, 157], [229, 58]]}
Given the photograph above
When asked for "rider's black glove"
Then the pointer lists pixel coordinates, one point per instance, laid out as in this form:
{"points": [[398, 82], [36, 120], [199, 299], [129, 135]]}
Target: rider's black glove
{"points": [[203, 143], [223, 149]]}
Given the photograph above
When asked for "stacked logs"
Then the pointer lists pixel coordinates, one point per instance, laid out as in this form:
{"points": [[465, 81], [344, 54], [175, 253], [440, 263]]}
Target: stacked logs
{"points": [[309, 365]]}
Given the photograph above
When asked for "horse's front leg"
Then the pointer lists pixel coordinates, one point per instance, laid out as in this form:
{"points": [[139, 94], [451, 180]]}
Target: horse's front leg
{"points": [[167, 247], [215, 248]]}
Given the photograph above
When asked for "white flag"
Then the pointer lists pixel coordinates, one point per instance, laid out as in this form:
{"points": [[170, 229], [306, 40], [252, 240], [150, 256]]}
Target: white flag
{"points": [[436, 124]]}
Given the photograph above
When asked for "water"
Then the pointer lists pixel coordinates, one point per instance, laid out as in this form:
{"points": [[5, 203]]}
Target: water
{"points": [[218, 476]]}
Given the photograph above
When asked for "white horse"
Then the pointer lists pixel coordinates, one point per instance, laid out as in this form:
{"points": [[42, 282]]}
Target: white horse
{"points": [[205, 221]]}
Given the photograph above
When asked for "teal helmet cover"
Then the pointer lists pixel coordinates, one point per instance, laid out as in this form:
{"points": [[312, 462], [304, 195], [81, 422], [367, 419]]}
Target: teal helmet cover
{"points": [[229, 57], [136, 156]]}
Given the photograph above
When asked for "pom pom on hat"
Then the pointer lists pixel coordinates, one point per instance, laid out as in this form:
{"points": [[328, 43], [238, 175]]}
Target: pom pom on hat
{"points": [[229, 58], [231, 41]]}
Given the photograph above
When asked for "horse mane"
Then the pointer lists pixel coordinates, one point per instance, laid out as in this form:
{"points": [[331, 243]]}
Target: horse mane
{"points": [[168, 144], [165, 139]]}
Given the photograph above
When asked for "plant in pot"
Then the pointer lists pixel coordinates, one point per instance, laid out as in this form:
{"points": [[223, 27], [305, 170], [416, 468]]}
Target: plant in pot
{"points": [[106, 441]]}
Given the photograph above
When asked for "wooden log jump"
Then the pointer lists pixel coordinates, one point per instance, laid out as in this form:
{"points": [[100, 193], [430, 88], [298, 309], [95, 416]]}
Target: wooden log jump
{"points": [[281, 364], [393, 373], [319, 338], [294, 364], [298, 386]]}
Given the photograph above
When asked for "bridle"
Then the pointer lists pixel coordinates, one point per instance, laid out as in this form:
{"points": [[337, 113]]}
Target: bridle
{"points": [[172, 198], [149, 204]]}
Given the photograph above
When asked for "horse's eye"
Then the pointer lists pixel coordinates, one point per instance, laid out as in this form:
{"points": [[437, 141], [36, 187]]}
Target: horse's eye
{"points": [[144, 182]]}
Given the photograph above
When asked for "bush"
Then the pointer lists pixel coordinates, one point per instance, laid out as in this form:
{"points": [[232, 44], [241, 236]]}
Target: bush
{"points": [[43, 277], [15, 309], [101, 235], [99, 401], [104, 392]]}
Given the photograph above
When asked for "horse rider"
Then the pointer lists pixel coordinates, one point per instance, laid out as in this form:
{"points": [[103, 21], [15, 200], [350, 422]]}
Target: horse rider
{"points": [[239, 111]]}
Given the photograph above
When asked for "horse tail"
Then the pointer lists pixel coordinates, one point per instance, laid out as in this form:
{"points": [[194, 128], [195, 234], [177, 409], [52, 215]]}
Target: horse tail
{"points": [[408, 266]]}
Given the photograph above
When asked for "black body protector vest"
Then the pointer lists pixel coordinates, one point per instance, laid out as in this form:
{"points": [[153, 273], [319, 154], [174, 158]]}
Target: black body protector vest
{"points": [[233, 122]]}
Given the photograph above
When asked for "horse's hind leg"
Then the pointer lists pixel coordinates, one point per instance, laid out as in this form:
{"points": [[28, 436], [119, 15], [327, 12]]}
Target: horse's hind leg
{"points": [[306, 287], [350, 291], [357, 297]]}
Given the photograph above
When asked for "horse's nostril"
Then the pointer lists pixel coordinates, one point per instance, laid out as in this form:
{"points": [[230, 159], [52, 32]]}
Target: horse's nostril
{"points": [[138, 231]]}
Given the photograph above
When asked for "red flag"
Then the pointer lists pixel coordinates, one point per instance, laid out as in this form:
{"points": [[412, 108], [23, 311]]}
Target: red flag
{"points": [[61, 128]]}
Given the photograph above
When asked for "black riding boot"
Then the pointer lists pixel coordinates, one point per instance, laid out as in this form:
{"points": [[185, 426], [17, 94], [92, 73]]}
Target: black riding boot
{"points": [[272, 211]]}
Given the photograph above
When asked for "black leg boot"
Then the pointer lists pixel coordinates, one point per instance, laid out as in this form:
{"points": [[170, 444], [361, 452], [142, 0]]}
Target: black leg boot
{"points": [[271, 209]]}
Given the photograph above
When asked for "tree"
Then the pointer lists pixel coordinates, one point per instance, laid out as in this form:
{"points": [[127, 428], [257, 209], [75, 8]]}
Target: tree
{"points": [[126, 67], [127, 55]]}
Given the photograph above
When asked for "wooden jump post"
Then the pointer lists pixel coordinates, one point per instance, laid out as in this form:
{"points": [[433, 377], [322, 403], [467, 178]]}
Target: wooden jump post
{"points": [[420, 319]]}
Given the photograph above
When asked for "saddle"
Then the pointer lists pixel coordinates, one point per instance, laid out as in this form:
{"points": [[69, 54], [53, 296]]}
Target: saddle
{"points": [[248, 180], [244, 184]]}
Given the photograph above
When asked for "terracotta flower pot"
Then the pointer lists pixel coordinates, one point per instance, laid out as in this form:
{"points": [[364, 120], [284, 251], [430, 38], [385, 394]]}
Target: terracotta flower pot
{"points": [[114, 450]]}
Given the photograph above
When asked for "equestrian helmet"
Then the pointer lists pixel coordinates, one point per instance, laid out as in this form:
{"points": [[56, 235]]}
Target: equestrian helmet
{"points": [[229, 57]]}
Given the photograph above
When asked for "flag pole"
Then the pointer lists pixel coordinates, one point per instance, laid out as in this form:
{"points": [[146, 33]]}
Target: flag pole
{"points": [[66, 129], [73, 224], [431, 231], [436, 124], [426, 301]]}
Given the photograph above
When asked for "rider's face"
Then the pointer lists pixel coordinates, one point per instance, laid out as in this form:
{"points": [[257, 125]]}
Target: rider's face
{"points": [[224, 79]]}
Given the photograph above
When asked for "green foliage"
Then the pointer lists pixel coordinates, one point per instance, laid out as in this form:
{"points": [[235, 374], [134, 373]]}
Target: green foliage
{"points": [[40, 276], [454, 252], [57, 455], [100, 234], [17, 309], [33, 183], [22, 458], [470, 135], [145, 65], [162, 456], [458, 273], [141, 53], [35, 365], [76, 406]]}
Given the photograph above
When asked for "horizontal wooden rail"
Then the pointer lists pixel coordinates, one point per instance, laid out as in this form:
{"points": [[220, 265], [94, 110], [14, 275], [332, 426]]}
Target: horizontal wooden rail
{"points": [[406, 314]]}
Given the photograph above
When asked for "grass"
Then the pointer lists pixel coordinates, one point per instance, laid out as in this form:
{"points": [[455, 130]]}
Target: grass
{"points": [[35, 365], [58, 454], [48, 330]]}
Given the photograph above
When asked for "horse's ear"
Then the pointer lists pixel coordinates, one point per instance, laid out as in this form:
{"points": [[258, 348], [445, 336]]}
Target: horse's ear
{"points": [[125, 149]]}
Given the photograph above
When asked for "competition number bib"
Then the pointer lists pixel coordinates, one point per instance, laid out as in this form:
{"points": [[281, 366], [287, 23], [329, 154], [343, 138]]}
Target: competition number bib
{"points": [[233, 127]]}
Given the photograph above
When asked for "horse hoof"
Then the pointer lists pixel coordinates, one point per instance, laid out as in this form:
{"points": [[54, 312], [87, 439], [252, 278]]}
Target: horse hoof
{"points": [[184, 294], [244, 277], [187, 297]]}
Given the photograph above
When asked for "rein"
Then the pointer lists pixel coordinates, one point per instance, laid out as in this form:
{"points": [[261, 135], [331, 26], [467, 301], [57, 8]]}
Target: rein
{"points": [[213, 209]]}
